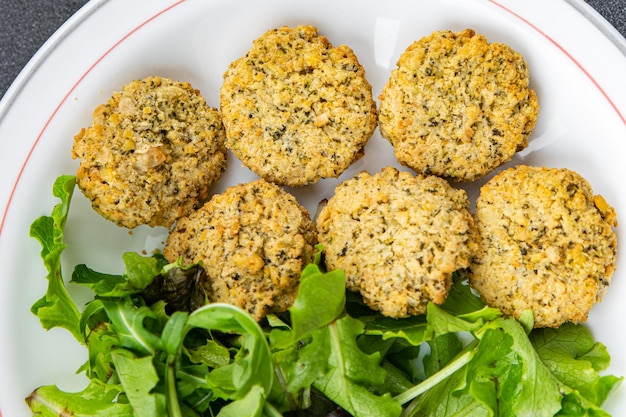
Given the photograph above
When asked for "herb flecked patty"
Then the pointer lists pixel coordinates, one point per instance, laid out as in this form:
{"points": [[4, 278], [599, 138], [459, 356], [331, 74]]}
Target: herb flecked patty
{"points": [[399, 238], [151, 154], [545, 244], [457, 106], [253, 241], [296, 109]]}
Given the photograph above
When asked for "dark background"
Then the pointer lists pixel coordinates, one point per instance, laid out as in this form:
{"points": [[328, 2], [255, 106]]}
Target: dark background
{"points": [[26, 24]]}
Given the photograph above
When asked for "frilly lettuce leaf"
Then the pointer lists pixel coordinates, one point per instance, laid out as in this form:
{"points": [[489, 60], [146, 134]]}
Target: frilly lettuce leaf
{"points": [[56, 308], [96, 400]]}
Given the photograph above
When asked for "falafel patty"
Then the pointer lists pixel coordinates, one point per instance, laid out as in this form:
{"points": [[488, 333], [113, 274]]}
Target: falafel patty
{"points": [[545, 244], [457, 106], [398, 237], [296, 109], [253, 241], [151, 154]]}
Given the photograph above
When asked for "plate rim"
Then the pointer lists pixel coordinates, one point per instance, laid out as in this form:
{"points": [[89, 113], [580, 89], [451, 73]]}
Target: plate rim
{"points": [[78, 18]]}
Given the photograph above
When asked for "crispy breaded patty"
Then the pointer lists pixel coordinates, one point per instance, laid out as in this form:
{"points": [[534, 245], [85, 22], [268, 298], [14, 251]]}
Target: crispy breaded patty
{"points": [[399, 238], [296, 109], [457, 106], [253, 241], [151, 154], [545, 244]]}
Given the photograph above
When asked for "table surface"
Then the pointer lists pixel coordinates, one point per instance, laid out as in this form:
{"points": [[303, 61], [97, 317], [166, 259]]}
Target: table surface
{"points": [[26, 25]]}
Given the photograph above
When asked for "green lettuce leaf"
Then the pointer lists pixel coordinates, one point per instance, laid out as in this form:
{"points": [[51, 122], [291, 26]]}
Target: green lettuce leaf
{"points": [[508, 376], [443, 349], [350, 371], [56, 308], [575, 359], [139, 377], [320, 300], [252, 405], [96, 400]]}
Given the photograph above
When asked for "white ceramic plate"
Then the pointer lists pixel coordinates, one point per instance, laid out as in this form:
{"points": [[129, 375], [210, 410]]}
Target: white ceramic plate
{"points": [[577, 63]]}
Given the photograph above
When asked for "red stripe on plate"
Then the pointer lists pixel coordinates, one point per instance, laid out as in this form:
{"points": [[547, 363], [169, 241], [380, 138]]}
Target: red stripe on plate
{"points": [[567, 54]]}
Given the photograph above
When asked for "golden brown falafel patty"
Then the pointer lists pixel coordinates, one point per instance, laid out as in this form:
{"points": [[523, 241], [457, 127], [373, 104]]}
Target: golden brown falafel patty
{"points": [[151, 154], [296, 109], [253, 241], [545, 244], [399, 238], [457, 106]]}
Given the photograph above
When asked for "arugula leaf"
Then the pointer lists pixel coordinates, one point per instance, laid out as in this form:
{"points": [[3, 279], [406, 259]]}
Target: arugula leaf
{"points": [[211, 354], [101, 342], [445, 400], [442, 322], [130, 323], [139, 273], [56, 308], [413, 329], [495, 373], [406, 357], [329, 357], [96, 400], [461, 299], [576, 406], [253, 366], [462, 311], [300, 365]]}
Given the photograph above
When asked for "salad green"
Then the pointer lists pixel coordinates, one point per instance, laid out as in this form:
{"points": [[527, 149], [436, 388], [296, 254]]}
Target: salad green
{"points": [[156, 348]]}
